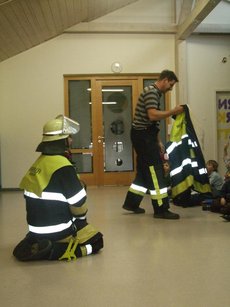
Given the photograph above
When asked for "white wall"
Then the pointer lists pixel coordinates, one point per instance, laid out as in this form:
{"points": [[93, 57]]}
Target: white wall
{"points": [[31, 85], [32, 90], [206, 74]]}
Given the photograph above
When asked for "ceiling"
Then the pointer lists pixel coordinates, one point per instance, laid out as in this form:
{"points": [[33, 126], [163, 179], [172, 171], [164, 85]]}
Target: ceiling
{"points": [[28, 23]]}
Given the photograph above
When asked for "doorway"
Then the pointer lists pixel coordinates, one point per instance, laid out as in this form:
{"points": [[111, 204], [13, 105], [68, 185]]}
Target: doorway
{"points": [[104, 107]]}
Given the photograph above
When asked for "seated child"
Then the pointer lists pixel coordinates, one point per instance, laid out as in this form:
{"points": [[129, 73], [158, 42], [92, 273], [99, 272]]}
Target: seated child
{"points": [[222, 203], [191, 198], [225, 198], [216, 181]]}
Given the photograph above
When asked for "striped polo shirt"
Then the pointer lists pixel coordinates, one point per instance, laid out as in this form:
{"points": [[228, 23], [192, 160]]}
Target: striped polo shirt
{"points": [[148, 99]]}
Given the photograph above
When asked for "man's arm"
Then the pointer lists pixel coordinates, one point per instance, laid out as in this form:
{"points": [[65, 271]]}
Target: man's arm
{"points": [[155, 114]]}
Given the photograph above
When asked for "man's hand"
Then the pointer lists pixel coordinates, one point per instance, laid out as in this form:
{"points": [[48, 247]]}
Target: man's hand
{"points": [[177, 110]]}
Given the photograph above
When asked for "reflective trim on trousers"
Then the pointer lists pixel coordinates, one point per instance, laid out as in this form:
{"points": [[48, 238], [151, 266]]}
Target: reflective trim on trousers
{"points": [[51, 229], [163, 194], [158, 196], [137, 189]]}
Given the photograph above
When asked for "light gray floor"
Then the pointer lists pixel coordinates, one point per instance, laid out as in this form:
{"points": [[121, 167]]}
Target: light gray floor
{"points": [[145, 262]]}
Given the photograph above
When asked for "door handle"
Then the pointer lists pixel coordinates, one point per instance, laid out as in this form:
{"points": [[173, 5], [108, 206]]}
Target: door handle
{"points": [[100, 138]]}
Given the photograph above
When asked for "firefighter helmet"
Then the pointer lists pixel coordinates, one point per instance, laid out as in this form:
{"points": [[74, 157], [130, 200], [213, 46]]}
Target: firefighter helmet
{"points": [[59, 128]]}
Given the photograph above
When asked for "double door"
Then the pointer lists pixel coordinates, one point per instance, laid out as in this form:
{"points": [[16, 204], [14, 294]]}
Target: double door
{"points": [[102, 150]]}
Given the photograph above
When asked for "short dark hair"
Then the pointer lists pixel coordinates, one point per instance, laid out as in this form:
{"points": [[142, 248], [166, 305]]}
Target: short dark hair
{"points": [[170, 75], [214, 164]]}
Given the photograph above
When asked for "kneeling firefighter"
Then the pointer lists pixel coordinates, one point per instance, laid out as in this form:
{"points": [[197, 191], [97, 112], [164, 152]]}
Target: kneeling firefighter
{"points": [[56, 202]]}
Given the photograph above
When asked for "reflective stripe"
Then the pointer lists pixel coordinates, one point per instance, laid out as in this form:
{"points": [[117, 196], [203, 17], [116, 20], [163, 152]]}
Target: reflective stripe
{"points": [[162, 191], [58, 196], [193, 144], [176, 144], [202, 171], [77, 197], [81, 217], [179, 168], [54, 132], [185, 162], [89, 249], [156, 185], [172, 147], [184, 136], [47, 196], [50, 229], [194, 164], [159, 198], [138, 188]]}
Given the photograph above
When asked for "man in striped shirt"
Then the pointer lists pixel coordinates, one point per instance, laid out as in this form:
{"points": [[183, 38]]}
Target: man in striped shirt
{"points": [[148, 147]]}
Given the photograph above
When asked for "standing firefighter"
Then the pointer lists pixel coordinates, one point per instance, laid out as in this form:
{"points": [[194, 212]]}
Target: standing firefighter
{"points": [[56, 202], [149, 148]]}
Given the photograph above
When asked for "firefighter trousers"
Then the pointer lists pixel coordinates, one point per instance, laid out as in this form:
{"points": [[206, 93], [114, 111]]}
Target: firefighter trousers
{"points": [[150, 173]]}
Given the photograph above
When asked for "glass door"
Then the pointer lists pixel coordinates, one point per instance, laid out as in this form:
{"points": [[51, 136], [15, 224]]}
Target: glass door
{"points": [[79, 108], [104, 106], [116, 165], [102, 150]]}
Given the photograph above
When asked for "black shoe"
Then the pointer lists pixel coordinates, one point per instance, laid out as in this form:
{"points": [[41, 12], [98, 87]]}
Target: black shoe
{"points": [[226, 217], [136, 210], [168, 215], [27, 251], [206, 207]]}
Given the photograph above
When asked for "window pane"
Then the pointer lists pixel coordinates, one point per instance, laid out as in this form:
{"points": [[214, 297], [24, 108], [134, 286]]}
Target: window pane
{"points": [[83, 162], [80, 110], [117, 116]]}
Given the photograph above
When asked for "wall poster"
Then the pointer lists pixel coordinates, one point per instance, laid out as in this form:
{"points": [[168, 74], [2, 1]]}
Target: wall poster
{"points": [[223, 126]]}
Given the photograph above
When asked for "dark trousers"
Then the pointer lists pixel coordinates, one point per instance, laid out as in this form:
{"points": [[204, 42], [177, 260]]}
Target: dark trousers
{"points": [[150, 172]]}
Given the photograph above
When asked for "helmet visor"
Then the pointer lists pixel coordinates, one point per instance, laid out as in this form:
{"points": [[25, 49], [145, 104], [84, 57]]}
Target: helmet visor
{"points": [[69, 126]]}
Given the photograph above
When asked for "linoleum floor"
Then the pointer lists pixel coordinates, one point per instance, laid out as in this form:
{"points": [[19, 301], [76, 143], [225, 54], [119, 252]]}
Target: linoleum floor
{"points": [[145, 261]]}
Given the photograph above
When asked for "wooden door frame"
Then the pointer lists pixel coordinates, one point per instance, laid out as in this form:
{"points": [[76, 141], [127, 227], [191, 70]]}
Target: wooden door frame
{"points": [[94, 178]]}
